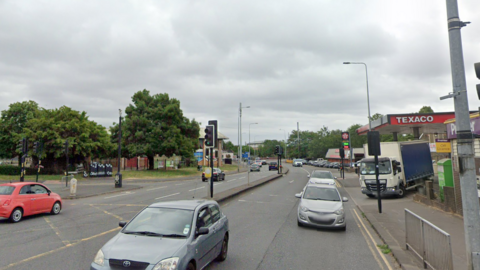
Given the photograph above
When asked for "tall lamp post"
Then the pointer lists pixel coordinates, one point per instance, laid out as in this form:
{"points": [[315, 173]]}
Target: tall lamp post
{"points": [[118, 176], [249, 136], [285, 141], [368, 95], [240, 134]]}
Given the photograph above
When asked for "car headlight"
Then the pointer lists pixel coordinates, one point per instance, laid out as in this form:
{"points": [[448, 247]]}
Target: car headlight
{"points": [[99, 258], [339, 211], [304, 209], [167, 264]]}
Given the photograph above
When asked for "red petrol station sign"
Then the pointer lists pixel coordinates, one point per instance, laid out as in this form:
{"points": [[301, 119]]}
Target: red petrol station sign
{"points": [[410, 119]]}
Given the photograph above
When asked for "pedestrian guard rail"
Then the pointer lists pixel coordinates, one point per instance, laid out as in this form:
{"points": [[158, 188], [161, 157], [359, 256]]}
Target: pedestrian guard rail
{"points": [[429, 242]]}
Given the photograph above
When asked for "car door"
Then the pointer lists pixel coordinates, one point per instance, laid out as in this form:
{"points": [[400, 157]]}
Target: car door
{"points": [[42, 202], [25, 200], [204, 244], [218, 228]]}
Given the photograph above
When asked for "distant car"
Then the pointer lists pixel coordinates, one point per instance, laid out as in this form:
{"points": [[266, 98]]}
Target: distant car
{"points": [[264, 162], [335, 165], [273, 166], [21, 199], [304, 162], [254, 168], [259, 163], [322, 177], [186, 234], [218, 175], [297, 163], [321, 206]]}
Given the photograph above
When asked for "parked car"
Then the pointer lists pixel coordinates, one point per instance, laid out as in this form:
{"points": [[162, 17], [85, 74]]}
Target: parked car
{"points": [[21, 199], [273, 166], [321, 206], [335, 165], [322, 177], [218, 175], [186, 234], [254, 168]]}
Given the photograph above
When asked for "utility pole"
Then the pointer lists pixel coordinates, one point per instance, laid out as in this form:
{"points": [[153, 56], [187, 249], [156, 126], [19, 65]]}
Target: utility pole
{"points": [[466, 162], [298, 138]]}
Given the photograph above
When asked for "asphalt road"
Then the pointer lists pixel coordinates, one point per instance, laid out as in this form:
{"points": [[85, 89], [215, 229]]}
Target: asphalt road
{"points": [[263, 229]]}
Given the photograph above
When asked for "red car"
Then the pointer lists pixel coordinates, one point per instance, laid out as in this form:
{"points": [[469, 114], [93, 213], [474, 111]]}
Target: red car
{"points": [[27, 198]]}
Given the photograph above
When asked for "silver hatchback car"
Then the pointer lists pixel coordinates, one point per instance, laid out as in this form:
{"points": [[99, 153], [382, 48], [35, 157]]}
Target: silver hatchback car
{"points": [[321, 206], [168, 236]]}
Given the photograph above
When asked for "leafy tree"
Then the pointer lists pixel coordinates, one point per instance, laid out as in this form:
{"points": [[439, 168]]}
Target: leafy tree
{"points": [[426, 109], [53, 127], [12, 123], [154, 124]]}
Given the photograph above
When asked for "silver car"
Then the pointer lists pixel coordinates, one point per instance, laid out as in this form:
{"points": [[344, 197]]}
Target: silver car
{"points": [[322, 177], [321, 206], [166, 236]]}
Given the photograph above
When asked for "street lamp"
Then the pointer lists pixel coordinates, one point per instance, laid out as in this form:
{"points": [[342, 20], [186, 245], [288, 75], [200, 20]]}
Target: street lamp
{"points": [[285, 142], [240, 133], [118, 177], [249, 136], [368, 95]]}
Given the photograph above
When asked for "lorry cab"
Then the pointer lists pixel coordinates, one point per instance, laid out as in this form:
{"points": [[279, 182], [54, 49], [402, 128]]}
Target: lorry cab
{"points": [[389, 175]]}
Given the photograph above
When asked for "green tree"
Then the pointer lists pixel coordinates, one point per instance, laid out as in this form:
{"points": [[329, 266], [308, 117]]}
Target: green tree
{"points": [[154, 124], [12, 123], [53, 127], [426, 109]]}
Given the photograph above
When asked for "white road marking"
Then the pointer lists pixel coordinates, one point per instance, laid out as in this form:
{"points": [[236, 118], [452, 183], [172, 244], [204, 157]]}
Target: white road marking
{"points": [[216, 184], [231, 180], [291, 181], [196, 188], [156, 188], [241, 177], [180, 184], [167, 196], [123, 194]]}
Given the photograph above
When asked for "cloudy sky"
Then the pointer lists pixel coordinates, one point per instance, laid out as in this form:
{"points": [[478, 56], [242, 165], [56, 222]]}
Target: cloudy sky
{"points": [[283, 58]]}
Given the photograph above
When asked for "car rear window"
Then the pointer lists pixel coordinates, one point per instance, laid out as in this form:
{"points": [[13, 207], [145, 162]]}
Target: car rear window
{"points": [[322, 175], [6, 190]]}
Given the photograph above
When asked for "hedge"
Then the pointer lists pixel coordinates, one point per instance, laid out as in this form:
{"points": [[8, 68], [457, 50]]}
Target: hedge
{"points": [[15, 170]]}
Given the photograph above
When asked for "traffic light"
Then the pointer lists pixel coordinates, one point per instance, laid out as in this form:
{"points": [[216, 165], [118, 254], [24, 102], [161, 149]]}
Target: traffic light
{"points": [[36, 147], [66, 147], [342, 153], [477, 72], [277, 150], [209, 136]]}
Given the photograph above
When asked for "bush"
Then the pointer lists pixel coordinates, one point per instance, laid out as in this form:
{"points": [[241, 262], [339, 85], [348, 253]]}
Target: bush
{"points": [[15, 170]]}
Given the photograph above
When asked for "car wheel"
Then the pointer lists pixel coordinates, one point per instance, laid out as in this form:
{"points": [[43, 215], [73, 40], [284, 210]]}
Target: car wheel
{"points": [[223, 253], [56, 208], [343, 228], [190, 266], [16, 215]]}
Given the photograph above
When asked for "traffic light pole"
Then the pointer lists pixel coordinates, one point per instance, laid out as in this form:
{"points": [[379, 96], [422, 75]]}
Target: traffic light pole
{"points": [[466, 161], [66, 166], [211, 176]]}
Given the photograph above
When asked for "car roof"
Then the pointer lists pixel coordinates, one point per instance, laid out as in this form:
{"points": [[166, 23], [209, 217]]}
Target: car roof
{"points": [[322, 186], [16, 184], [182, 204]]}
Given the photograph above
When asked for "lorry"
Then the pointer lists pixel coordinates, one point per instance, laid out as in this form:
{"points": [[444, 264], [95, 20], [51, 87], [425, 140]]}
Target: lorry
{"points": [[402, 166]]}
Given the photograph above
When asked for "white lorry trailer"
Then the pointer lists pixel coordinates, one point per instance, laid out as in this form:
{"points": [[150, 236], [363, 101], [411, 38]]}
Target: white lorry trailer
{"points": [[402, 166]]}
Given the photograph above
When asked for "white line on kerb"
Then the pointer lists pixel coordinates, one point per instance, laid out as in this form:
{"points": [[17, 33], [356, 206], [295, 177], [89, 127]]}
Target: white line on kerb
{"points": [[156, 188], [196, 188], [167, 196]]}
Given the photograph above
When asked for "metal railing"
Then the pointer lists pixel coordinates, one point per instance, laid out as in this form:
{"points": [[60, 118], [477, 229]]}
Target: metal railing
{"points": [[429, 242]]}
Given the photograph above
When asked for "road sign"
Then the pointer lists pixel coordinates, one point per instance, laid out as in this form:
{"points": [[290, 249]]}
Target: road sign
{"points": [[208, 172]]}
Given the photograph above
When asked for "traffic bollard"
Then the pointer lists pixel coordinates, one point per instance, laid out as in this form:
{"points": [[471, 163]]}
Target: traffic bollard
{"points": [[73, 187]]}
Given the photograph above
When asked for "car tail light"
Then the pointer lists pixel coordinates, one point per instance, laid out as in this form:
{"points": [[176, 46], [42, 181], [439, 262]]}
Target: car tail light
{"points": [[7, 202]]}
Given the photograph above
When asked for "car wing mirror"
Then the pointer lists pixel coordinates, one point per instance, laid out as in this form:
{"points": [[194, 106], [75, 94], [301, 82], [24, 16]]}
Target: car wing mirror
{"points": [[309, 176], [122, 223], [298, 195], [335, 178], [202, 230], [49, 191], [345, 199]]}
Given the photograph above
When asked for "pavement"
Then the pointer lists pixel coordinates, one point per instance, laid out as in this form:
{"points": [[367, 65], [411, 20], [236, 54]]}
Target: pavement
{"points": [[390, 226]]}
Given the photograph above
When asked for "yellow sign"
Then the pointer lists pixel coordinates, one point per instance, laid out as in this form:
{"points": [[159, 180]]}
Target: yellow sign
{"points": [[208, 172], [444, 147]]}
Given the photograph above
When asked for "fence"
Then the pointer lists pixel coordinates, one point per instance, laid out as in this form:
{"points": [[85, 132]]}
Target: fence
{"points": [[429, 242]]}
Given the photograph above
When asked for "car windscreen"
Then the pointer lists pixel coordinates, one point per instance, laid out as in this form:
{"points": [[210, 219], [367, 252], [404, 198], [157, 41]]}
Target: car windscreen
{"points": [[158, 221], [318, 193], [368, 168], [6, 190], [327, 175]]}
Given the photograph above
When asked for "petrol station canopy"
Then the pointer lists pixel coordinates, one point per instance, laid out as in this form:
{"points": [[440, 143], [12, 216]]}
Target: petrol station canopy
{"points": [[414, 123]]}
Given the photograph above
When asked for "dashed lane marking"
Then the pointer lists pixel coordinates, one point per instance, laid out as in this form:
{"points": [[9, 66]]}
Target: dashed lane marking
{"points": [[123, 194], [196, 188], [156, 188], [232, 180], [167, 196]]}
